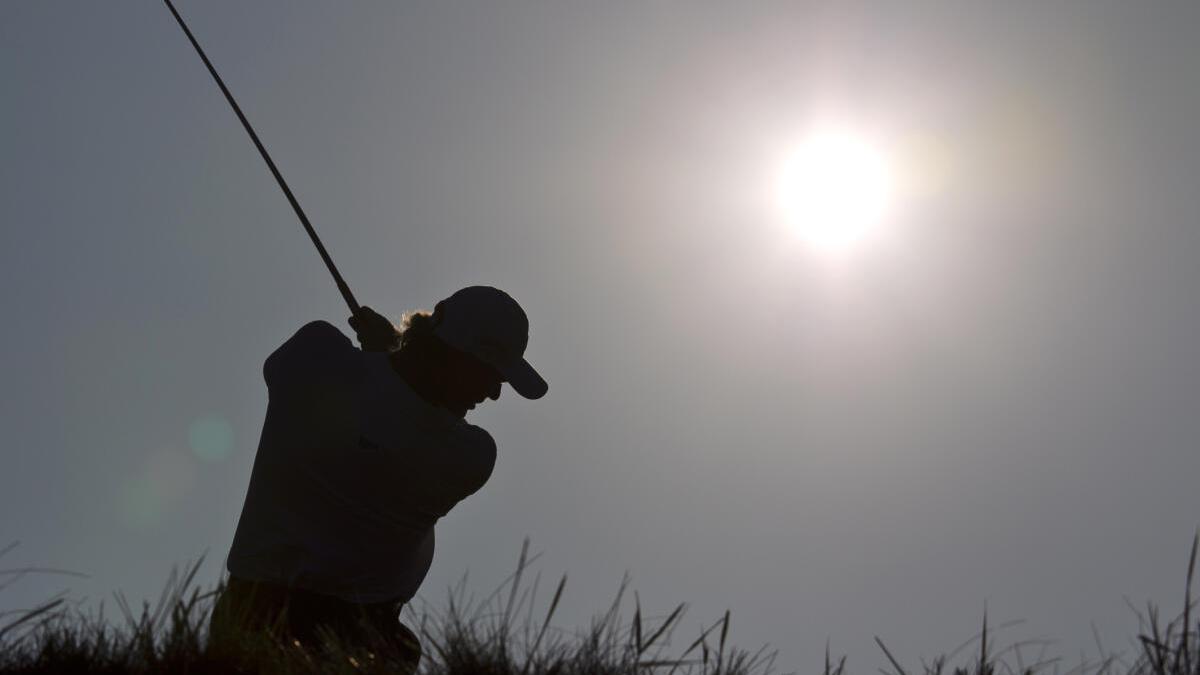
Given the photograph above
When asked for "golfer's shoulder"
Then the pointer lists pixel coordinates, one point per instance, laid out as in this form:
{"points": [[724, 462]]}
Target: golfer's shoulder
{"points": [[317, 344], [319, 339], [320, 331]]}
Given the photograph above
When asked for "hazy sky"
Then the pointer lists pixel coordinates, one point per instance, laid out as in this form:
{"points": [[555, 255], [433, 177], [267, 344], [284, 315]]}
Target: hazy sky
{"points": [[995, 400]]}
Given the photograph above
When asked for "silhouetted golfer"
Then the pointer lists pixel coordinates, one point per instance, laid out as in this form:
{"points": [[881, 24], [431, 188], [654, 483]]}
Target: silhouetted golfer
{"points": [[361, 453]]}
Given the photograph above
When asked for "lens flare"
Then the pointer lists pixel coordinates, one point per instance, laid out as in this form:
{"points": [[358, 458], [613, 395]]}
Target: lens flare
{"points": [[147, 497], [211, 438]]}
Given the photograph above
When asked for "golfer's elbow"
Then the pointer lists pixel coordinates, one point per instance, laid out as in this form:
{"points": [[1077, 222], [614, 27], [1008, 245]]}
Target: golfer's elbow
{"points": [[479, 462]]}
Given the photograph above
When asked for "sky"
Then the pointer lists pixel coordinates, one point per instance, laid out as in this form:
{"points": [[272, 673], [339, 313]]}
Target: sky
{"points": [[991, 401]]}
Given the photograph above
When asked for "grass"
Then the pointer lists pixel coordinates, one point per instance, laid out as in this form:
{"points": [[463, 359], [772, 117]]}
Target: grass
{"points": [[505, 633]]}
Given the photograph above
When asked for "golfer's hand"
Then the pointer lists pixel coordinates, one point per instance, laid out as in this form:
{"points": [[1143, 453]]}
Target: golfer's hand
{"points": [[375, 333]]}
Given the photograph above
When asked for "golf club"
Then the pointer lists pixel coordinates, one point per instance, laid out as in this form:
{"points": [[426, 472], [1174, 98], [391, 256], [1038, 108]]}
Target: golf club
{"points": [[341, 283]]}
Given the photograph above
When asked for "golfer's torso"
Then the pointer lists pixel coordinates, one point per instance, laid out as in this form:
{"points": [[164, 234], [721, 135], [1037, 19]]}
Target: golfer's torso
{"points": [[351, 475]]}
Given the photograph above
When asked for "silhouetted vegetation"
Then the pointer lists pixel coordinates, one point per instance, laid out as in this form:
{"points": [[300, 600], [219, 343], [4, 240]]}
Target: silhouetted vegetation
{"points": [[506, 633]]}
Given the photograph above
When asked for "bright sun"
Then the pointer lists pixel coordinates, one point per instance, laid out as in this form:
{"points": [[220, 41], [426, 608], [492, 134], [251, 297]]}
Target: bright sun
{"points": [[834, 190]]}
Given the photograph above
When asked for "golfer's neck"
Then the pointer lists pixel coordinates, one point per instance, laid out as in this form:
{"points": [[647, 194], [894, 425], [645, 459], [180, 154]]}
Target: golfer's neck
{"points": [[417, 374]]}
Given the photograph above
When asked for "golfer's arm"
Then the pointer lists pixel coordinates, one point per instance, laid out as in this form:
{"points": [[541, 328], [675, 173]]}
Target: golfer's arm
{"points": [[479, 451]]}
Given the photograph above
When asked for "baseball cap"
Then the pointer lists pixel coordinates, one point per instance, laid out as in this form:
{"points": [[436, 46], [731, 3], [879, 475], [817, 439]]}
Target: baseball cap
{"points": [[488, 324]]}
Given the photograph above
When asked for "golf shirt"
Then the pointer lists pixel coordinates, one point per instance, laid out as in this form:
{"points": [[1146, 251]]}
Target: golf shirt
{"points": [[353, 470]]}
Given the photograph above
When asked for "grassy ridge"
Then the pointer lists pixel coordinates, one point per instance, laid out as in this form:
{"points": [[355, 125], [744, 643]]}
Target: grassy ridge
{"points": [[505, 633]]}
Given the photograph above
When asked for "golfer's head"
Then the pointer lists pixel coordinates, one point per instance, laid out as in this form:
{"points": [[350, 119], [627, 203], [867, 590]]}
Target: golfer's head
{"points": [[467, 381], [480, 334]]}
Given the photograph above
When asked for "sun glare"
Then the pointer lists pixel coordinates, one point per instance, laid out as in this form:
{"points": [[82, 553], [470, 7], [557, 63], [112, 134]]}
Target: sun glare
{"points": [[834, 190]]}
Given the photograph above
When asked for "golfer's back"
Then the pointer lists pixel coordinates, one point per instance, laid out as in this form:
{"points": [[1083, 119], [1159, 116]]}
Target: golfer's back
{"points": [[353, 469]]}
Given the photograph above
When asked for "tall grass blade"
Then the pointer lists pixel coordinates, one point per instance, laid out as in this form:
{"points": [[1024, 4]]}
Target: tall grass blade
{"points": [[1187, 608], [516, 583], [983, 659], [562, 584], [1154, 654], [31, 614], [537, 581], [699, 641], [721, 644], [895, 663], [636, 630], [671, 619]]}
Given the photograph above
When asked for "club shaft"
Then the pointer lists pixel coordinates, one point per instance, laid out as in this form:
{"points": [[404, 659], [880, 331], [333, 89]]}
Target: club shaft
{"points": [[287, 191]]}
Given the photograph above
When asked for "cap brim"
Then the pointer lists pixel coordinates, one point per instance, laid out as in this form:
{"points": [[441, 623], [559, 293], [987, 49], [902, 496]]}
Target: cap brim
{"points": [[524, 379]]}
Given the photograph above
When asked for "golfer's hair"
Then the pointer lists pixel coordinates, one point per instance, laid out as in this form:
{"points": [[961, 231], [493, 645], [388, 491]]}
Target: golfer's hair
{"points": [[416, 329]]}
